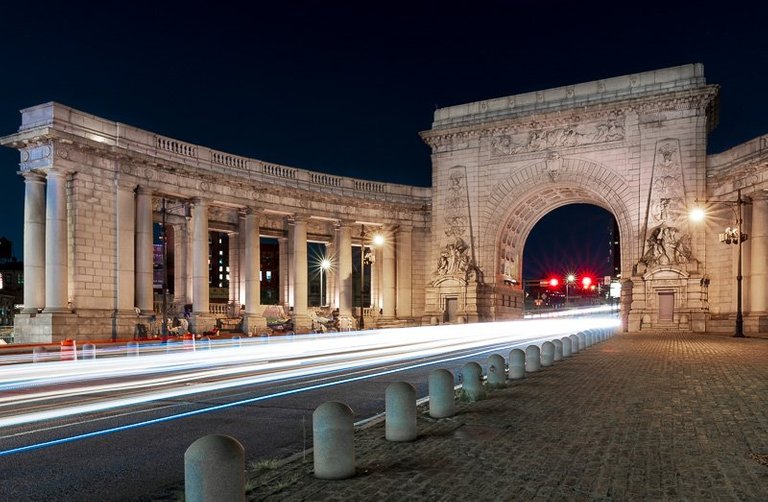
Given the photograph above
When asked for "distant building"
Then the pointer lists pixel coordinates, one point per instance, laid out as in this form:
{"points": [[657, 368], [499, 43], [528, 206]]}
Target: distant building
{"points": [[6, 249]]}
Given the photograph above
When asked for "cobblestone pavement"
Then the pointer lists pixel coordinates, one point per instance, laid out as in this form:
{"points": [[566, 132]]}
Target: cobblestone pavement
{"points": [[662, 416]]}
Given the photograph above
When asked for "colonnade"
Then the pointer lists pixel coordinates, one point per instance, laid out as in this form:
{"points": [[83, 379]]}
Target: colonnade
{"points": [[49, 286]]}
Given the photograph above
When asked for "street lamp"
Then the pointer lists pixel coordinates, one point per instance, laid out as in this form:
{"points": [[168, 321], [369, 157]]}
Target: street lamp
{"points": [[325, 265], [366, 259], [732, 235], [164, 237], [569, 279]]}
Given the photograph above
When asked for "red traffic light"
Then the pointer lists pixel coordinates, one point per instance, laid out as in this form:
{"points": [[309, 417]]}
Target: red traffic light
{"points": [[554, 282], [586, 281]]}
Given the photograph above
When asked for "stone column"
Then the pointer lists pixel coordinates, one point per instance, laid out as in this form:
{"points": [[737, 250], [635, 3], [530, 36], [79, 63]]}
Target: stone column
{"points": [[403, 254], [56, 259], [34, 242], [285, 293], [252, 267], [299, 271], [241, 259], [180, 246], [144, 253], [190, 265], [200, 280], [235, 264], [388, 275], [330, 282], [126, 246], [344, 268], [758, 291]]}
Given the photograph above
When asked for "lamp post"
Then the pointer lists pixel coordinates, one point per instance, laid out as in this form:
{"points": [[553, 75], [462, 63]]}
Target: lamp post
{"points": [[731, 236], [366, 260], [568, 281], [325, 264], [164, 237]]}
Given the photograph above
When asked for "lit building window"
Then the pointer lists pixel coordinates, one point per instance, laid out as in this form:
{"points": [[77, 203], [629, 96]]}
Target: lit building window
{"points": [[269, 275]]}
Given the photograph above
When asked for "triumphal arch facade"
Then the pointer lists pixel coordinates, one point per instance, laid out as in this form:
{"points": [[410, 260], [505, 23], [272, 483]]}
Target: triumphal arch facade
{"points": [[95, 191]]}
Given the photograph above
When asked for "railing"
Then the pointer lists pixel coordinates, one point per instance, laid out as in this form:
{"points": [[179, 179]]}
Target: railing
{"points": [[174, 146], [279, 171], [229, 160], [325, 179], [370, 186], [218, 308]]}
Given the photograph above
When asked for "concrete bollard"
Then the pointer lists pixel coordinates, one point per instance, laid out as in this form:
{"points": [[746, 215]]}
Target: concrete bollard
{"points": [[532, 358], [589, 338], [237, 341], [334, 441], [472, 381], [89, 351], [581, 337], [214, 469], [497, 375], [442, 403], [547, 354], [39, 354], [516, 364], [400, 406], [132, 349], [567, 344], [558, 349], [574, 344], [68, 350]]}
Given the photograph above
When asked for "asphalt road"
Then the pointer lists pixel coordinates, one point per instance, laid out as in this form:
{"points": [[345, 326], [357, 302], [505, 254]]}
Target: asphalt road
{"points": [[135, 463]]}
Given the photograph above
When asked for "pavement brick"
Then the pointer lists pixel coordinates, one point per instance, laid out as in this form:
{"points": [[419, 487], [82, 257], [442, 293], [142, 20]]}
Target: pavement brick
{"points": [[652, 416]]}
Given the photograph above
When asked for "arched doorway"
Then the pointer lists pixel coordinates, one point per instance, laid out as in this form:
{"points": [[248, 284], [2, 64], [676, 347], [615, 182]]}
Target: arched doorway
{"points": [[570, 259]]}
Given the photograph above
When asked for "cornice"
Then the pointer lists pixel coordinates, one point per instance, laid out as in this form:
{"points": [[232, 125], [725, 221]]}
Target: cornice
{"points": [[702, 97]]}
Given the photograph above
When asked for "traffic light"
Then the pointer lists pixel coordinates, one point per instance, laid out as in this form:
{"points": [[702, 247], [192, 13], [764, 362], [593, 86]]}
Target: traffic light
{"points": [[586, 281], [554, 282]]}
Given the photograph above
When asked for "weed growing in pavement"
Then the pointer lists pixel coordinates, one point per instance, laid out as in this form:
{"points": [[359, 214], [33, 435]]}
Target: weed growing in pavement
{"points": [[268, 464]]}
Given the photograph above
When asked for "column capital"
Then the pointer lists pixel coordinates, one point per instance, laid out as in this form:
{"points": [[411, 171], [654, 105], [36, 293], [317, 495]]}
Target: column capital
{"points": [[33, 176], [297, 218], [125, 184], [143, 190], [344, 223], [250, 210], [56, 172]]}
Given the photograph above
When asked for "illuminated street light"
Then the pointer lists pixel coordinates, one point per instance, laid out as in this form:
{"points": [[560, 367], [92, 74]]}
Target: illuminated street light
{"points": [[569, 279], [366, 258], [732, 235], [325, 265], [164, 238]]}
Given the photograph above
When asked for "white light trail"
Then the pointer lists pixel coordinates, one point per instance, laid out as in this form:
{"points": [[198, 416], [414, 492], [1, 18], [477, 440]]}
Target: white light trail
{"points": [[29, 391]]}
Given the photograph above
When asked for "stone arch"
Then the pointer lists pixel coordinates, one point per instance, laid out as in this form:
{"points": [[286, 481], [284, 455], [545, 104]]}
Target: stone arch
{"points": [[516, 205]]}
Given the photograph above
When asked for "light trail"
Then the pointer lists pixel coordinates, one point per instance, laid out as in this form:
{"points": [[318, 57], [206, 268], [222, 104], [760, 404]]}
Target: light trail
{"points": [[172, 375]]}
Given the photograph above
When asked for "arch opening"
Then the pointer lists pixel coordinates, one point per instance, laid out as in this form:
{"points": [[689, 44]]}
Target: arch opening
{"points": [[571, 258]]}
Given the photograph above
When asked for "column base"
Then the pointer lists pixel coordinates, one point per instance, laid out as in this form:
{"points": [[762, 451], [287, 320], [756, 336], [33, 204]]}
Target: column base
{"points": [[302, 323], [253, 324], [199, 323]]}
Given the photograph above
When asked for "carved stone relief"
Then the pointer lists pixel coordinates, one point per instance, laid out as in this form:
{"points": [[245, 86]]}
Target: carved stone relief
{"points": [[455, 257], [560, 137], [666, 242]]}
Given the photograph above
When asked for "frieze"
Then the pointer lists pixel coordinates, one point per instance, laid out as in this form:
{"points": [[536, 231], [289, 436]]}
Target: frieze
{"points": [[36, 157], [560, 137]]}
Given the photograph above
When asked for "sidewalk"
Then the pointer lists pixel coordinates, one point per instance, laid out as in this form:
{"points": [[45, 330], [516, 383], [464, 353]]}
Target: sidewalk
{"points": [[640, 416]]}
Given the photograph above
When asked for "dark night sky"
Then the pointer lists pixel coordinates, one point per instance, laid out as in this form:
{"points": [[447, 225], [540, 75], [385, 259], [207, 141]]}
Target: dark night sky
{"points": [[344, 87]]}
